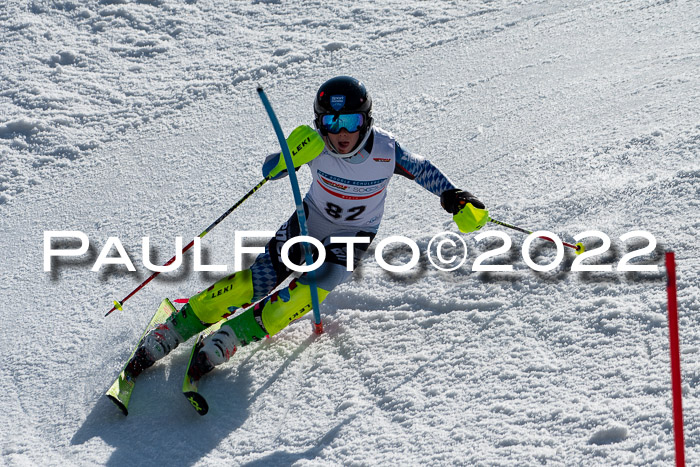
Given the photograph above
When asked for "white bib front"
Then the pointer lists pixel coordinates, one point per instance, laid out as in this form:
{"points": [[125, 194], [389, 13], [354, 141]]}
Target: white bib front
{"points": [[353, 193]]}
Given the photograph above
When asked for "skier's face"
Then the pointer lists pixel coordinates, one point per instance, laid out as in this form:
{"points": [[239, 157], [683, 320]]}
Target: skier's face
{"points": [[344, 141]]}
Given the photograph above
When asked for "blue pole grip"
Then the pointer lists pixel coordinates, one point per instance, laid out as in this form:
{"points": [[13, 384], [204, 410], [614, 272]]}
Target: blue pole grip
{"points": [[301, 215]]}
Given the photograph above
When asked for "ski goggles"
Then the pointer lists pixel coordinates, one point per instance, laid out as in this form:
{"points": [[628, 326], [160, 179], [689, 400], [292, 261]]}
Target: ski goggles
{"points": [[334, 123]]}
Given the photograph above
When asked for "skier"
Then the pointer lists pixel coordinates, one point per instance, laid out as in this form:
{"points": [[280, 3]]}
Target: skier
{"points": [[346, 199]]}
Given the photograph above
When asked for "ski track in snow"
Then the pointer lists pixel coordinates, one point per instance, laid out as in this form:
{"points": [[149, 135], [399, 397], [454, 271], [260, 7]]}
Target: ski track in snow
{"points": [[80, 74], [133, 119]]}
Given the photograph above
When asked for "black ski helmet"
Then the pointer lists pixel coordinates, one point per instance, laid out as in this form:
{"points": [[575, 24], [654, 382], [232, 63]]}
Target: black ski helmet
{"points": [[343, 95]]}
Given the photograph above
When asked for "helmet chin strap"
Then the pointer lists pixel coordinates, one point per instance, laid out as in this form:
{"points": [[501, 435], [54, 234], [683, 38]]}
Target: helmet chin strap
{"points": [[333, 151]]}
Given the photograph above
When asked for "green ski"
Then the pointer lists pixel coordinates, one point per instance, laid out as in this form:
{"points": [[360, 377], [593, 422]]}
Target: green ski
{"points": [[189, 384], [123, 386]]}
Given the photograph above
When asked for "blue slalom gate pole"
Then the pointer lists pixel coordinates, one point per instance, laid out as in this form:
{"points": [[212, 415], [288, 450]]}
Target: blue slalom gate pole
{"points": [[318, 326]]}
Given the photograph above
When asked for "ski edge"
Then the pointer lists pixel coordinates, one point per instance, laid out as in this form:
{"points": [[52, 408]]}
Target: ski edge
{"points": [[120, 397], [189, 384], [118, 403]]}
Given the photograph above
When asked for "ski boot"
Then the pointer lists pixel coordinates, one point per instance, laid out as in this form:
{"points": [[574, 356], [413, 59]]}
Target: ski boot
{"points": [[162, 339], [215, 349]]}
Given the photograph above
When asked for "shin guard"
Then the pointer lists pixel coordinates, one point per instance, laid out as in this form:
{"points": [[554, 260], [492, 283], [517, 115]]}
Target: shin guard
{"points": [[224, 297], [275, 313]]}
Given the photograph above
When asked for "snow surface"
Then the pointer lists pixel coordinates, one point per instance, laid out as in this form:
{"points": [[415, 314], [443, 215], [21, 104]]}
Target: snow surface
{"points": [[136, 119]]}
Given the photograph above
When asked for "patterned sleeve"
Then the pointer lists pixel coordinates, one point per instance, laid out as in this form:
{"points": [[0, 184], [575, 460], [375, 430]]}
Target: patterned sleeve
{"points": [[421, 170]]}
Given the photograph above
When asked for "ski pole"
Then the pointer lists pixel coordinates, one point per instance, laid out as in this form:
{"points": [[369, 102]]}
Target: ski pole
{"points": [[578, 247], [118, 304], [301, 216]]}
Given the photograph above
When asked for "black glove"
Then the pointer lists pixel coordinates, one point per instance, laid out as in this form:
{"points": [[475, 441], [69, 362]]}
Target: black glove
{"points": [[454, 200]]}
